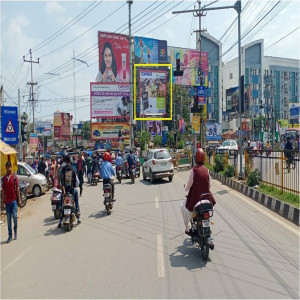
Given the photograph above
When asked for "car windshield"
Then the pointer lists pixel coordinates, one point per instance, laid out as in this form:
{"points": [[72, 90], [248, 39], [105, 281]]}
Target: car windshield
{"points": [[162, 154], [30, 169], [226, 144]]}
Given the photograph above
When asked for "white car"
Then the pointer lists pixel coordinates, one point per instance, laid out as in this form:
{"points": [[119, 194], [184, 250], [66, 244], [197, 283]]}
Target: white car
{"points": [[37, 182], [158, 164], [229, 145]]}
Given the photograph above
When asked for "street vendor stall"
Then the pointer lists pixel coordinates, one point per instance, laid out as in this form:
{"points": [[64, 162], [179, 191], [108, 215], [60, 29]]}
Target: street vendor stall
{"points": [[7, 154]]}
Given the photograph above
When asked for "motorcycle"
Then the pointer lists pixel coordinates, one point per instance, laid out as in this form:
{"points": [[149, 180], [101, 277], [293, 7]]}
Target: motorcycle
{"points": [[69, 211], [132, 173], [95, 178], [119, 173], [107, 193], [55, 202], [23, 186], [50, 180], [200, 227]]}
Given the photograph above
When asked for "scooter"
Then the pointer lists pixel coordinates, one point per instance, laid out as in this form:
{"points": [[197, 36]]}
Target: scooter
{"points": [[119, 173], [108, 202], [23, 186], [55, 202], [69, 211]]}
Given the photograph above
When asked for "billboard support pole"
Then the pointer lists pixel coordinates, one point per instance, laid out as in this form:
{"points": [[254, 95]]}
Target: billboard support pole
{"points": [[20, 136], [131, 139]]}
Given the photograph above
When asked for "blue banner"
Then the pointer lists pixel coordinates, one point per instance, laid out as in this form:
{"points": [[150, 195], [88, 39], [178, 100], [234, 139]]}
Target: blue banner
{"points": [[9, 125]]}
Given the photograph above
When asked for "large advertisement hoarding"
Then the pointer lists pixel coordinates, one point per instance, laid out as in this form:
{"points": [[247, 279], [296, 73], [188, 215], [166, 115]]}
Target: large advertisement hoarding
{"points": [[214, 132], [195, 124], [233, 96], [294, 114], [62, 126], [110, 100], [150, 51], [189, 63], [154, 127], [152, 94], [43, 128], [107, 131], [113, 57], [33, 141]]}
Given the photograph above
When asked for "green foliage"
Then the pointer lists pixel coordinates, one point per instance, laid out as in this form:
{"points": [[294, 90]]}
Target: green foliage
{"points": [[86, 130], [144, 138], [181, 144], [170, 138], [219, 163], [254, 178], [229, 171], [157, 140], [286, 197], [209, 167]]}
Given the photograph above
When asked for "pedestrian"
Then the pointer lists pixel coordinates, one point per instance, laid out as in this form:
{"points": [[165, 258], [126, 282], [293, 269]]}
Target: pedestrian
{"points": [[42, 167], [80, 169], [11, 198], [89, 168]]}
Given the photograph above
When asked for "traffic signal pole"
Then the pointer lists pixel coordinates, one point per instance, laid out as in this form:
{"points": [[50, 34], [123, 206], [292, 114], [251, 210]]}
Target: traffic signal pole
{"points": [[237, 6]]}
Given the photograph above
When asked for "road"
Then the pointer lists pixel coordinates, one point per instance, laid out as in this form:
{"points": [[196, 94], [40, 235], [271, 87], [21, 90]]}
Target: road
{"points": [[140, 250]]}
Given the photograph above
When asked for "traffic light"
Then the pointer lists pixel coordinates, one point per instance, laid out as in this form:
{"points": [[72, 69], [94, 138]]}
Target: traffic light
{"points": [[23, 133], [178, 72]]}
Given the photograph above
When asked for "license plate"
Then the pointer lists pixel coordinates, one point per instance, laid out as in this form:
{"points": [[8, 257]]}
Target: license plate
{"points": [[163, 164], [67, 211], [53, 207], [205, 223], [106, 195]]}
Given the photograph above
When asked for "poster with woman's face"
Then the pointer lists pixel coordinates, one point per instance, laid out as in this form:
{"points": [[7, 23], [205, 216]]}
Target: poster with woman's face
{"points": [[154, 127], [113, 57]]}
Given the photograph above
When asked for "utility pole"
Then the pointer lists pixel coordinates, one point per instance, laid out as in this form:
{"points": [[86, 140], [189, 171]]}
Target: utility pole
{"points": [[20, 135], [32, 84], [131, 140], [237, 7]]}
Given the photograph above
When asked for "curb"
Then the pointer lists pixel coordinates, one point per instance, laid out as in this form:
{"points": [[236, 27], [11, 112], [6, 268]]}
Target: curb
{"points": [[285, 210]]}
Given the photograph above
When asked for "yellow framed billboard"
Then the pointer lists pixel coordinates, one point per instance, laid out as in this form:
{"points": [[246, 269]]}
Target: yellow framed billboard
{"points": [[148, 66]]}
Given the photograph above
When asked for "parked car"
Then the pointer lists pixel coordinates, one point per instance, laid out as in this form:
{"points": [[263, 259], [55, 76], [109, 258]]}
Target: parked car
{"points": [[158, 164], [37, 182], [229, 146]]}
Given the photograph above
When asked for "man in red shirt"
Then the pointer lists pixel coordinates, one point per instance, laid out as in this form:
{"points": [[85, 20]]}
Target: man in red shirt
{"points": [[11, 198]]}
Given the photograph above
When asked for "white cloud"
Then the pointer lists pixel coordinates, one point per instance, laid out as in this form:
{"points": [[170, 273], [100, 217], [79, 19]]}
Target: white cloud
{"points": [[54, 8]]}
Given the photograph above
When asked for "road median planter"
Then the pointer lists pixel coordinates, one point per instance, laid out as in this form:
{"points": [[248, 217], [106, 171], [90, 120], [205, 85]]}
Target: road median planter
{"points": [[285, 210]]}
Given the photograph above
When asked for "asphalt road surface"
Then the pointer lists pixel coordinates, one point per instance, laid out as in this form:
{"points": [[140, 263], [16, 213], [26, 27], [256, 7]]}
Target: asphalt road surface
{"points": [[141, 251]]}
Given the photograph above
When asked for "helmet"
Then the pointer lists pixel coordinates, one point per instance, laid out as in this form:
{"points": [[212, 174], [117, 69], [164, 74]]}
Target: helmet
{"points": [[106, 156], [67, 158], [200, 156], [131, 151]]}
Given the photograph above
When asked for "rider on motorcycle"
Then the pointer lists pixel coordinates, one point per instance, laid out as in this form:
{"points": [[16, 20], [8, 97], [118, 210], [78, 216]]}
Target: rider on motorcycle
{"points": [[198, 184], [130, 160], [107, 171], [68, 184], [119, 160]]}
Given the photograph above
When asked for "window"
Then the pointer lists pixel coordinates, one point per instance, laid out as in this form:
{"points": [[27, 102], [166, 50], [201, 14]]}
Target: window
{"points": [[230, 75], [21, 171], [162, 154]]}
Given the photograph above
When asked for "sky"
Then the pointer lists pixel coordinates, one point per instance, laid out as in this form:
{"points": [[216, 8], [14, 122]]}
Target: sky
{"points": [[41, 26]]}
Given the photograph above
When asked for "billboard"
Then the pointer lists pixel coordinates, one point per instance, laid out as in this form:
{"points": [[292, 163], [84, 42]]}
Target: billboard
{"points": [[113, 57], [195, 124], [189, 63], [150, 51], [153, 91], [107, 131], [62, 126], [33, 141], [43, 128], [233, 96], [214, 132], [181, 125], [154, 127], [109, 100], [9, 125], [294, 113]]}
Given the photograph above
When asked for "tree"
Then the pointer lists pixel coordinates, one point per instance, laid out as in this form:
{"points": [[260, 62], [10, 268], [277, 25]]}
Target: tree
{"points": [[170, 138], [86, 130], [144, 138], [157, 140]]}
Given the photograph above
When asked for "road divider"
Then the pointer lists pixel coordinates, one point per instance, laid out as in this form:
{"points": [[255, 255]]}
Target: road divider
{"points": [[160, 257]]}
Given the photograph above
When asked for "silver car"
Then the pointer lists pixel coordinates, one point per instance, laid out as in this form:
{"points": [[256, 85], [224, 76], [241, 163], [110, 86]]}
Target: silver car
{"points": [[37, 182]]}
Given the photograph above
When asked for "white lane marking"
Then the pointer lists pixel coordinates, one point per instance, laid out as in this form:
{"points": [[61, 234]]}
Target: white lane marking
{"points": [[160, 257], [16, 259], [156, 202], [263, 210]]}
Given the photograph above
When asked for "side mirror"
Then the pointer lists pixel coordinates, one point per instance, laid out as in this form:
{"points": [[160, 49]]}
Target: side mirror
{"points": [[28, 174]]}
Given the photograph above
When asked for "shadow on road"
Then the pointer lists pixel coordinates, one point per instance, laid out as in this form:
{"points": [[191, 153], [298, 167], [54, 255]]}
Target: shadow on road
{"points": [[187, 256], [55, 231], [49, 221], [98, 215], [157, 181], [223, 192]]}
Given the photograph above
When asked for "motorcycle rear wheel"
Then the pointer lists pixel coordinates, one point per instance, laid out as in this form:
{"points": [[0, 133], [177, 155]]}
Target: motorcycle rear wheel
{"points": [[56, 214], [205, 251], [23, 199], [107, 210], [70, 225]]}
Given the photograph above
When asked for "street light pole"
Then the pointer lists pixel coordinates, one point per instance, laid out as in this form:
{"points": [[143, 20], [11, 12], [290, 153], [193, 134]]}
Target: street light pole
{"points": [[131, 139]]}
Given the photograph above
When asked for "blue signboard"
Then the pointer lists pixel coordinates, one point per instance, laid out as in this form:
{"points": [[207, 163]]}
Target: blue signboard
{"points": [[9, 125], [201, 94]]}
